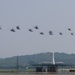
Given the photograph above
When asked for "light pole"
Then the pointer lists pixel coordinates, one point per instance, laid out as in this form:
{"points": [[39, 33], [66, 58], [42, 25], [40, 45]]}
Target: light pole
{"points": [[17, 65]]}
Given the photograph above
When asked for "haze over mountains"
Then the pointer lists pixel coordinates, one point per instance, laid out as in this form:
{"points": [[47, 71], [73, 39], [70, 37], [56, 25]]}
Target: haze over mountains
{"points": [[37, 58]]}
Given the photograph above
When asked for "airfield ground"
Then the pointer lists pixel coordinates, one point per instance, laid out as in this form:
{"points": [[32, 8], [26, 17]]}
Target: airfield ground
{"points": [[35, 74], [60, 72]]}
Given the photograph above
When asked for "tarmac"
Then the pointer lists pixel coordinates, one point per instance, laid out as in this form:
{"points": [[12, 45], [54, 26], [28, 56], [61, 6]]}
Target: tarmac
{"points": [[37, 73]]}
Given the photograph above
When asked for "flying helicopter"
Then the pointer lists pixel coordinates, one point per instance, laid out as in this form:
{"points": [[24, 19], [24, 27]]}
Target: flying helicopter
{"points": [[72, 34], [69, 29], [60, 33], [36, 27], [12, 30], [50, 33], [41, 33], [17, 27], [30, 30], [0, 28]]}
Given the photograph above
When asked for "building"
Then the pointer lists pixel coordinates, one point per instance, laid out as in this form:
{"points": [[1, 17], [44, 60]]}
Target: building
{"points": [[49, 66]]}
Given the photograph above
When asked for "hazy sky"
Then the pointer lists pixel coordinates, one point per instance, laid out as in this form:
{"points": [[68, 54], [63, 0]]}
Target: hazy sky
{"points": [[55, 15]]}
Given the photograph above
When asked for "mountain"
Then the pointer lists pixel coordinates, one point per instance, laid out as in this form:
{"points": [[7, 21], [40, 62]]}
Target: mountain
{"points": [[37, 58]]}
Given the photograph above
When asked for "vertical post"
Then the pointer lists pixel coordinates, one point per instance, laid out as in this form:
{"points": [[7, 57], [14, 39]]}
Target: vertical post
{"points": [[17, 65], [53, 60]]}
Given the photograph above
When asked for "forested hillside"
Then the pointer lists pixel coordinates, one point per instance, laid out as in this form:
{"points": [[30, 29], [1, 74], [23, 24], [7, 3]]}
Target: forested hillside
{"points": [[37, 58]]}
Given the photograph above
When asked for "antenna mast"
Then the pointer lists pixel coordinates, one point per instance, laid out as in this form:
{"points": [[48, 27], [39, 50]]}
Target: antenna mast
{"points": [[53, 60]]}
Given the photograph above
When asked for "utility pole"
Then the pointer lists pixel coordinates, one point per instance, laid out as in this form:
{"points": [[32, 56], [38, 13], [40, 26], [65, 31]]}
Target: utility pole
{"points": [[17, 65]]}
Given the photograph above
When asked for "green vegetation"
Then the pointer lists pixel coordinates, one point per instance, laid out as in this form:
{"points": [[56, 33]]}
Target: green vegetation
{"points": [[26, 60]]}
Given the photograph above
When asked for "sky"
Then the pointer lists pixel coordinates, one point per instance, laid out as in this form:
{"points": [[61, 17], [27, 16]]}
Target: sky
{"points": [[54, 15]]}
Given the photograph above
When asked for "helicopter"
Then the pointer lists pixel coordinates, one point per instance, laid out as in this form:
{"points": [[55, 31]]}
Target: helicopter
{"points": [[50, 33], [41, 33], [36, 27], [60, 33], [30, 30], [72, 34], [0, 28], [69, 29], [12, 30], [17, 27]]}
